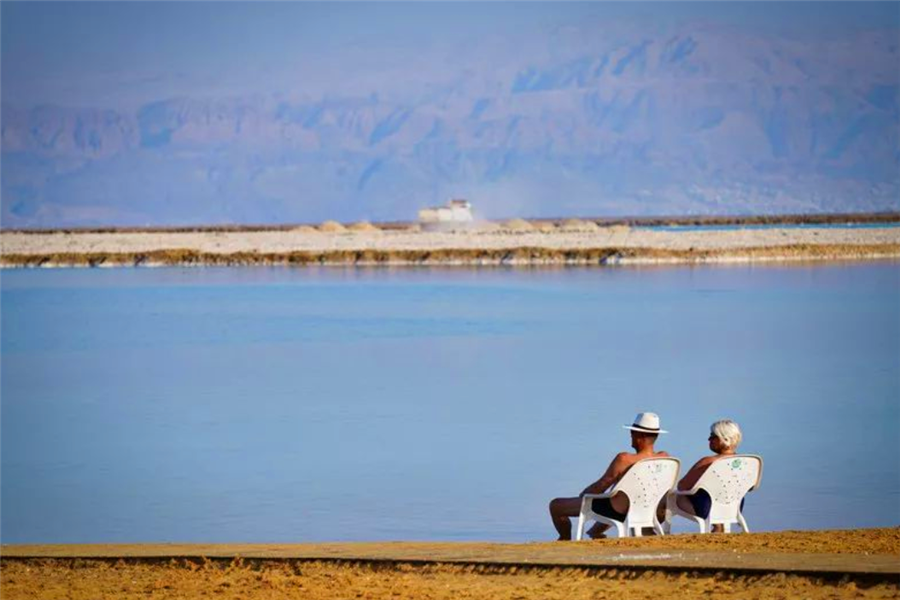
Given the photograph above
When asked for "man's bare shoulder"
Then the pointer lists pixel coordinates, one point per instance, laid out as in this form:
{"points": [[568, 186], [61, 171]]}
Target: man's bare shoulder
{"points": [[661, 454], [624, 457]]}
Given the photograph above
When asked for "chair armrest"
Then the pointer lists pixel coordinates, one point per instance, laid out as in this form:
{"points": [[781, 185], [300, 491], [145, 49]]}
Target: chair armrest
{"points": [[588, 499], [596, 496], [689, 492]]}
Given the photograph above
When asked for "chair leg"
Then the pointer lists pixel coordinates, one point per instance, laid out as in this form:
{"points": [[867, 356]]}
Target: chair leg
{"points": [[670, 511], [579, 533], [726, 527], [743, 523], [667, 524], [621, 530], [704, 525], [659, 528]]}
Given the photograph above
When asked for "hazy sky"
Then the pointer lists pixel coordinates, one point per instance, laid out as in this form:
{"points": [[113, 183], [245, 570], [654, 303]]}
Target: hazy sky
{"points": [[115, 53], [215, 112]]}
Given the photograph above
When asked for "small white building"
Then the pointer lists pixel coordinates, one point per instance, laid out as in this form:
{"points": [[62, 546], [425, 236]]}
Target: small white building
{"points": [[456, 211]]}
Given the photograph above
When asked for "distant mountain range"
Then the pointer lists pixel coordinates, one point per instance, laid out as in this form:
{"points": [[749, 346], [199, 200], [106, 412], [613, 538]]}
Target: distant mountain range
{"points": [[696, 121]]}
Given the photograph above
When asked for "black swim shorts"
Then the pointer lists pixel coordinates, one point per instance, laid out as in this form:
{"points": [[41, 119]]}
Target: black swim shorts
{"points": [[702, 503], [604, 508]]}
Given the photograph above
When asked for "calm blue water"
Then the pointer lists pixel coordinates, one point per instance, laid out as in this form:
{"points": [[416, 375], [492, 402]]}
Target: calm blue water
{"points": [[297, 405], [892, 225]]}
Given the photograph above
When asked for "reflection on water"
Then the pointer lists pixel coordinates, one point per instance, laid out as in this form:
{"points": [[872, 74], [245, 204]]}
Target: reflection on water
{"points": [[297, 405]]}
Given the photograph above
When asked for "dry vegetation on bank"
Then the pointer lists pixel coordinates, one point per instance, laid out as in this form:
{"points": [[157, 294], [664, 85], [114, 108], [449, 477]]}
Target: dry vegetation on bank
{"points": [[457, 256]]}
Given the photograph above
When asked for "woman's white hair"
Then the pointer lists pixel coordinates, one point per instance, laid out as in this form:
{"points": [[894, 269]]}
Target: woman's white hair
{"points": [[727, 431]]}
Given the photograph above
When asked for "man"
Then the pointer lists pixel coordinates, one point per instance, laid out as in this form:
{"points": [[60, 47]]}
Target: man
{"points": [[644, 432]]}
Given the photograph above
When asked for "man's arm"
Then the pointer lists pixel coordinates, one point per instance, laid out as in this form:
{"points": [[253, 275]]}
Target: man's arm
{"points": [[613, 473]]}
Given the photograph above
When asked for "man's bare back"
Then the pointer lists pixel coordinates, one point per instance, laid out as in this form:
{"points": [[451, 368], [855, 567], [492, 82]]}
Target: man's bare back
{"points": [[562, 509], [615, 471]]}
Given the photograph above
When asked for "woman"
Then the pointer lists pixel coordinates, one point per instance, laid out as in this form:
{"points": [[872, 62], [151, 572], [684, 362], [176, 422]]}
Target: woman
{"points": [[724, 439]]}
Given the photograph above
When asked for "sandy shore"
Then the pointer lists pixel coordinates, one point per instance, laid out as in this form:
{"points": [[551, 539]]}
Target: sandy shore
{"points": [[842, 564], [493, 245]]}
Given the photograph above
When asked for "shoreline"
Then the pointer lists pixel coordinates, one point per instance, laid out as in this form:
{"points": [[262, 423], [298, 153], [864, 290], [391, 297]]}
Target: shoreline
{"points": [[886, 218], [514, 257], [512, 244]]}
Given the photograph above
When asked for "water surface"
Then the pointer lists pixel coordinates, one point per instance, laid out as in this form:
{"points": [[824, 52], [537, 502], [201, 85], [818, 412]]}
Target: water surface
{"points": [[764, 226], [254, 404]]}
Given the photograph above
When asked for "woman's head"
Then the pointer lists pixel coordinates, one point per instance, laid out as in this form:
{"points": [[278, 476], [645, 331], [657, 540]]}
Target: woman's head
{"points": [[724, 435]]}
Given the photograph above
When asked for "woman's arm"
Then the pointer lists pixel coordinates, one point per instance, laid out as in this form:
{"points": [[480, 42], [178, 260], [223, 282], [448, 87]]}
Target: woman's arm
{"points": [[693, 476]]}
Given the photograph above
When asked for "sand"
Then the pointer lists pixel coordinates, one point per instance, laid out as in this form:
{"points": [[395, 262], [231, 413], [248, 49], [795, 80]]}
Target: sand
{"points": [[596, 569], [363, 226], [578, 225], [332, 227], [89, 580], [851, 542], [518, 225], [334, 244]]}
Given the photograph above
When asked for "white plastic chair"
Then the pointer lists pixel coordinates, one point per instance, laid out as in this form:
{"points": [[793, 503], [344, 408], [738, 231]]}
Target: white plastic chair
{"points": [[645, 484], [727, 481]]}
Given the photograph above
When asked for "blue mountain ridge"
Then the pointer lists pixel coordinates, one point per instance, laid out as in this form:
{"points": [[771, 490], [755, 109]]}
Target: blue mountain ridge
{"points": [[677, 124]]}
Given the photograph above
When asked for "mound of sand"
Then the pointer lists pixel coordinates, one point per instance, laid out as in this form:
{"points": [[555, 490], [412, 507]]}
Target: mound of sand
{"points": [[364, 226], [486, 227], [332, 227], [304, 229], [544, 226], [618, 229], [577, 225], [518, 225]]}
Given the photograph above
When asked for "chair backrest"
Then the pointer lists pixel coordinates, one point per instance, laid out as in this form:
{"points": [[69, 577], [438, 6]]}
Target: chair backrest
{"points": [[727, 481], [645, 484]]}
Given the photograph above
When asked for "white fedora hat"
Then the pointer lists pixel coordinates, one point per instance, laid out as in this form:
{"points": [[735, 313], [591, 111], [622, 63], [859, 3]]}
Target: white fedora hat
{"points": [[646, 422]]}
